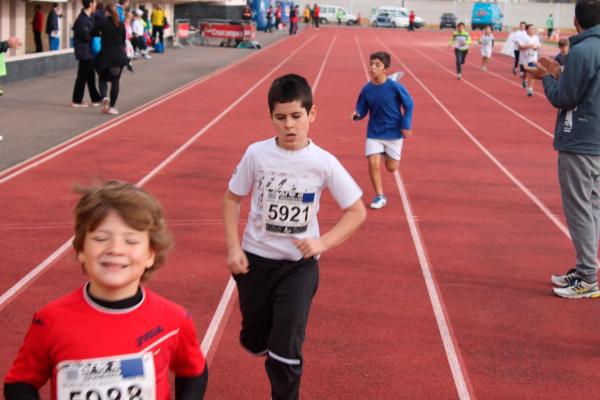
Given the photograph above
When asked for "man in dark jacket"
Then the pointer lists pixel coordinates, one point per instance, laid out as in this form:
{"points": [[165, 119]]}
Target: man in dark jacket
{"points": [[576, 93], [53, 28], [83, 29]]}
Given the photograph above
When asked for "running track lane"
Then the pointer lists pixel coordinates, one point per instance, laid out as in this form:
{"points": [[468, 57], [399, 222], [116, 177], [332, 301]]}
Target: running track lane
{"points": [[65, 275], [494, 252], [371, 311]]}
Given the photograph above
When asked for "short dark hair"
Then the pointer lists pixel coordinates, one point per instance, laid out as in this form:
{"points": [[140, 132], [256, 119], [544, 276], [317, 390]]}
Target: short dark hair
{"points": [[528, 26], [460, 23], [289, 88], [587, 13], [563, 42], [383, 57], [522, 23], [86, 3]]}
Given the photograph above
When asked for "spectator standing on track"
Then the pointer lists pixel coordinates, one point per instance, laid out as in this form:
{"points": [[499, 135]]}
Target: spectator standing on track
{"points": [[519, 36], [549, 26], [316, 15], [576, 93], [306, 15], [112, 59], [411, 21], [278, 16], [529, 46], [276, 267], [269, 13], [120, 240], [486, 41], [83, 33], [383, 99], [37, 26], [53, 26], [293, 20], [158, 23], [460, 40]]}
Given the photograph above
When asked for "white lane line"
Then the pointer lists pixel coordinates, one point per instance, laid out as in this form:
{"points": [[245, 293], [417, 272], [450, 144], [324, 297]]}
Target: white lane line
{"points": [[33, 274], [217, 319], [513, 111], [456, 367], [485, 151], [83, 137]]}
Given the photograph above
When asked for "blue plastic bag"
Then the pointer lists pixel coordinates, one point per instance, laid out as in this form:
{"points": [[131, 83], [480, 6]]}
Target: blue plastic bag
{"points": [[96, 45], [159, 48]]}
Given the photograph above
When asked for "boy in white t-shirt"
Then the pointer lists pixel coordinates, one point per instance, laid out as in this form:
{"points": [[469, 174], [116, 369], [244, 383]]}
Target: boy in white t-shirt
{"points": [[529, 46], [276, 267], [517, 37], [486, 41]]}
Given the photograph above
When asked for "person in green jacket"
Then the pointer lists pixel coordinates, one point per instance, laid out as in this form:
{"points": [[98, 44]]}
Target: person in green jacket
{"points": [[550, 26], [460, 41]]}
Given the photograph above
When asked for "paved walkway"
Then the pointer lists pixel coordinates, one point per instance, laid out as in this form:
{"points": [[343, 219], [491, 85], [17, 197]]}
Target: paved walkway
{"points": [[37, 114]]}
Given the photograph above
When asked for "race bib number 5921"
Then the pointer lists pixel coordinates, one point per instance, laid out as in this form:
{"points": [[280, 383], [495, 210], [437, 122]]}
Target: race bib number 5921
{"points": [[128, 377], [287, 212]]}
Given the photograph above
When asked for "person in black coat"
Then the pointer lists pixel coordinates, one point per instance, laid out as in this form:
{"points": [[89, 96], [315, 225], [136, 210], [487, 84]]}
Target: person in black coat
{"points": [[52, 27], [112, 57], [83, 29]]}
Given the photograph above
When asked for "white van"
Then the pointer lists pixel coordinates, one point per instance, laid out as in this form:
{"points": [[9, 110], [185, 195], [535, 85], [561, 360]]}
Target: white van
{"points": [[328, 15], [397, 15]]}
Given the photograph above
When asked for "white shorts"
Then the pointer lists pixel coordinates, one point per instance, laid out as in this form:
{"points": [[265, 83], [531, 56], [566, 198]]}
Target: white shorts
{"points": [[391, 147], [487, 53]]}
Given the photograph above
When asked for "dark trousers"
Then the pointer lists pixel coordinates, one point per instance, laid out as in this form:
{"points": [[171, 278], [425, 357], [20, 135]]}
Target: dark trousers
{"points": [[517, 55], [275, 298], [461, 57], [112, 75], [37, 38], [86, 75], [316, 21], [157, 30]]}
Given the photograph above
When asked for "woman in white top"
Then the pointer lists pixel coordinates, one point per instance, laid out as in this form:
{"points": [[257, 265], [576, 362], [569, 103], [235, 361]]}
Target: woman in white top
{"points": [[486, 41], [530, 46]]}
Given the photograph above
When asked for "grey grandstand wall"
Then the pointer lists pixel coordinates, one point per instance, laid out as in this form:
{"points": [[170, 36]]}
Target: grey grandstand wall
{"points": [[431, 10]]}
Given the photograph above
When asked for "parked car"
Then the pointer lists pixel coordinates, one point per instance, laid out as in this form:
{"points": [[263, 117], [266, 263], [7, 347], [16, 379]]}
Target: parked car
{"points": [[328, 15], [395, 17], [485, 14], [448, 20]]}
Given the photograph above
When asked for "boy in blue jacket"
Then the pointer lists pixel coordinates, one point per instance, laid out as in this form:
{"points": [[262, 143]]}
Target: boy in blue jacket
{"points": [[390, 109]]}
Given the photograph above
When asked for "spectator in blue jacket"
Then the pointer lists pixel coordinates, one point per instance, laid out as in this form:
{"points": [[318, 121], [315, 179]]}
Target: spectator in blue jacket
{"points": [[576, 93], [83, 29]]}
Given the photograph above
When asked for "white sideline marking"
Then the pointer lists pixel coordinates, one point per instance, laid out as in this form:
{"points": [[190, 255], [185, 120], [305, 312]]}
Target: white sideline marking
{"points": [[217, 318], [17, 287], [485, 151], [436, 303], [60, 148], [524, 118]]}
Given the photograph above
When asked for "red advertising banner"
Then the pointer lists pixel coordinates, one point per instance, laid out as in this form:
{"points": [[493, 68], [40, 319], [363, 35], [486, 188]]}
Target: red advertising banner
{"points": [[228, 31]]}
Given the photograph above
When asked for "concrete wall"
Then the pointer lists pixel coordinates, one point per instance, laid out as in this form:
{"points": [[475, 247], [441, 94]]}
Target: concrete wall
{"points": [[431, 10]]}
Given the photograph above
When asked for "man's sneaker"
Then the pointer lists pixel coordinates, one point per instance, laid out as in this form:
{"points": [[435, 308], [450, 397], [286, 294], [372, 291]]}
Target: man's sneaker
{"points": [[97, 103], [565, 280], [79, 105], [459, 76], [578, 289], [529, 92], [378, 202], [523, 83]]}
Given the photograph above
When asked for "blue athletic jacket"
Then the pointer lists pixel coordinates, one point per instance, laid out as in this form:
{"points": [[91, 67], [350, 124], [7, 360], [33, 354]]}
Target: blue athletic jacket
{"points": [[577, 96]]}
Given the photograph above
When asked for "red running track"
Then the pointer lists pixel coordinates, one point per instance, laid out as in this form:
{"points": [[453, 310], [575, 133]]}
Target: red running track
{"points": [[373, 332]]}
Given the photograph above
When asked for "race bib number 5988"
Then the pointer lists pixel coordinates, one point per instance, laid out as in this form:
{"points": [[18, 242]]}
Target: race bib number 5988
{"points": [[129, 377]]}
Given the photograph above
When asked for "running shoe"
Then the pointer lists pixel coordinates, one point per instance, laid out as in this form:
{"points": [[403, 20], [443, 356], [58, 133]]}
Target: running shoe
{"points": [[529, 92], [563, 281], [459, 76], [378, 202], [97, 103], [579, 289], [105, 105], [112, 111], [523, 83], [79, 105]]}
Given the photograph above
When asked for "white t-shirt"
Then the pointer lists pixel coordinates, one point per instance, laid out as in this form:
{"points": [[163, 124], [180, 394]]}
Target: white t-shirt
{"points": [[529, 55], [517, 37], [286, 189], [486, 44], [137, 27]]}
